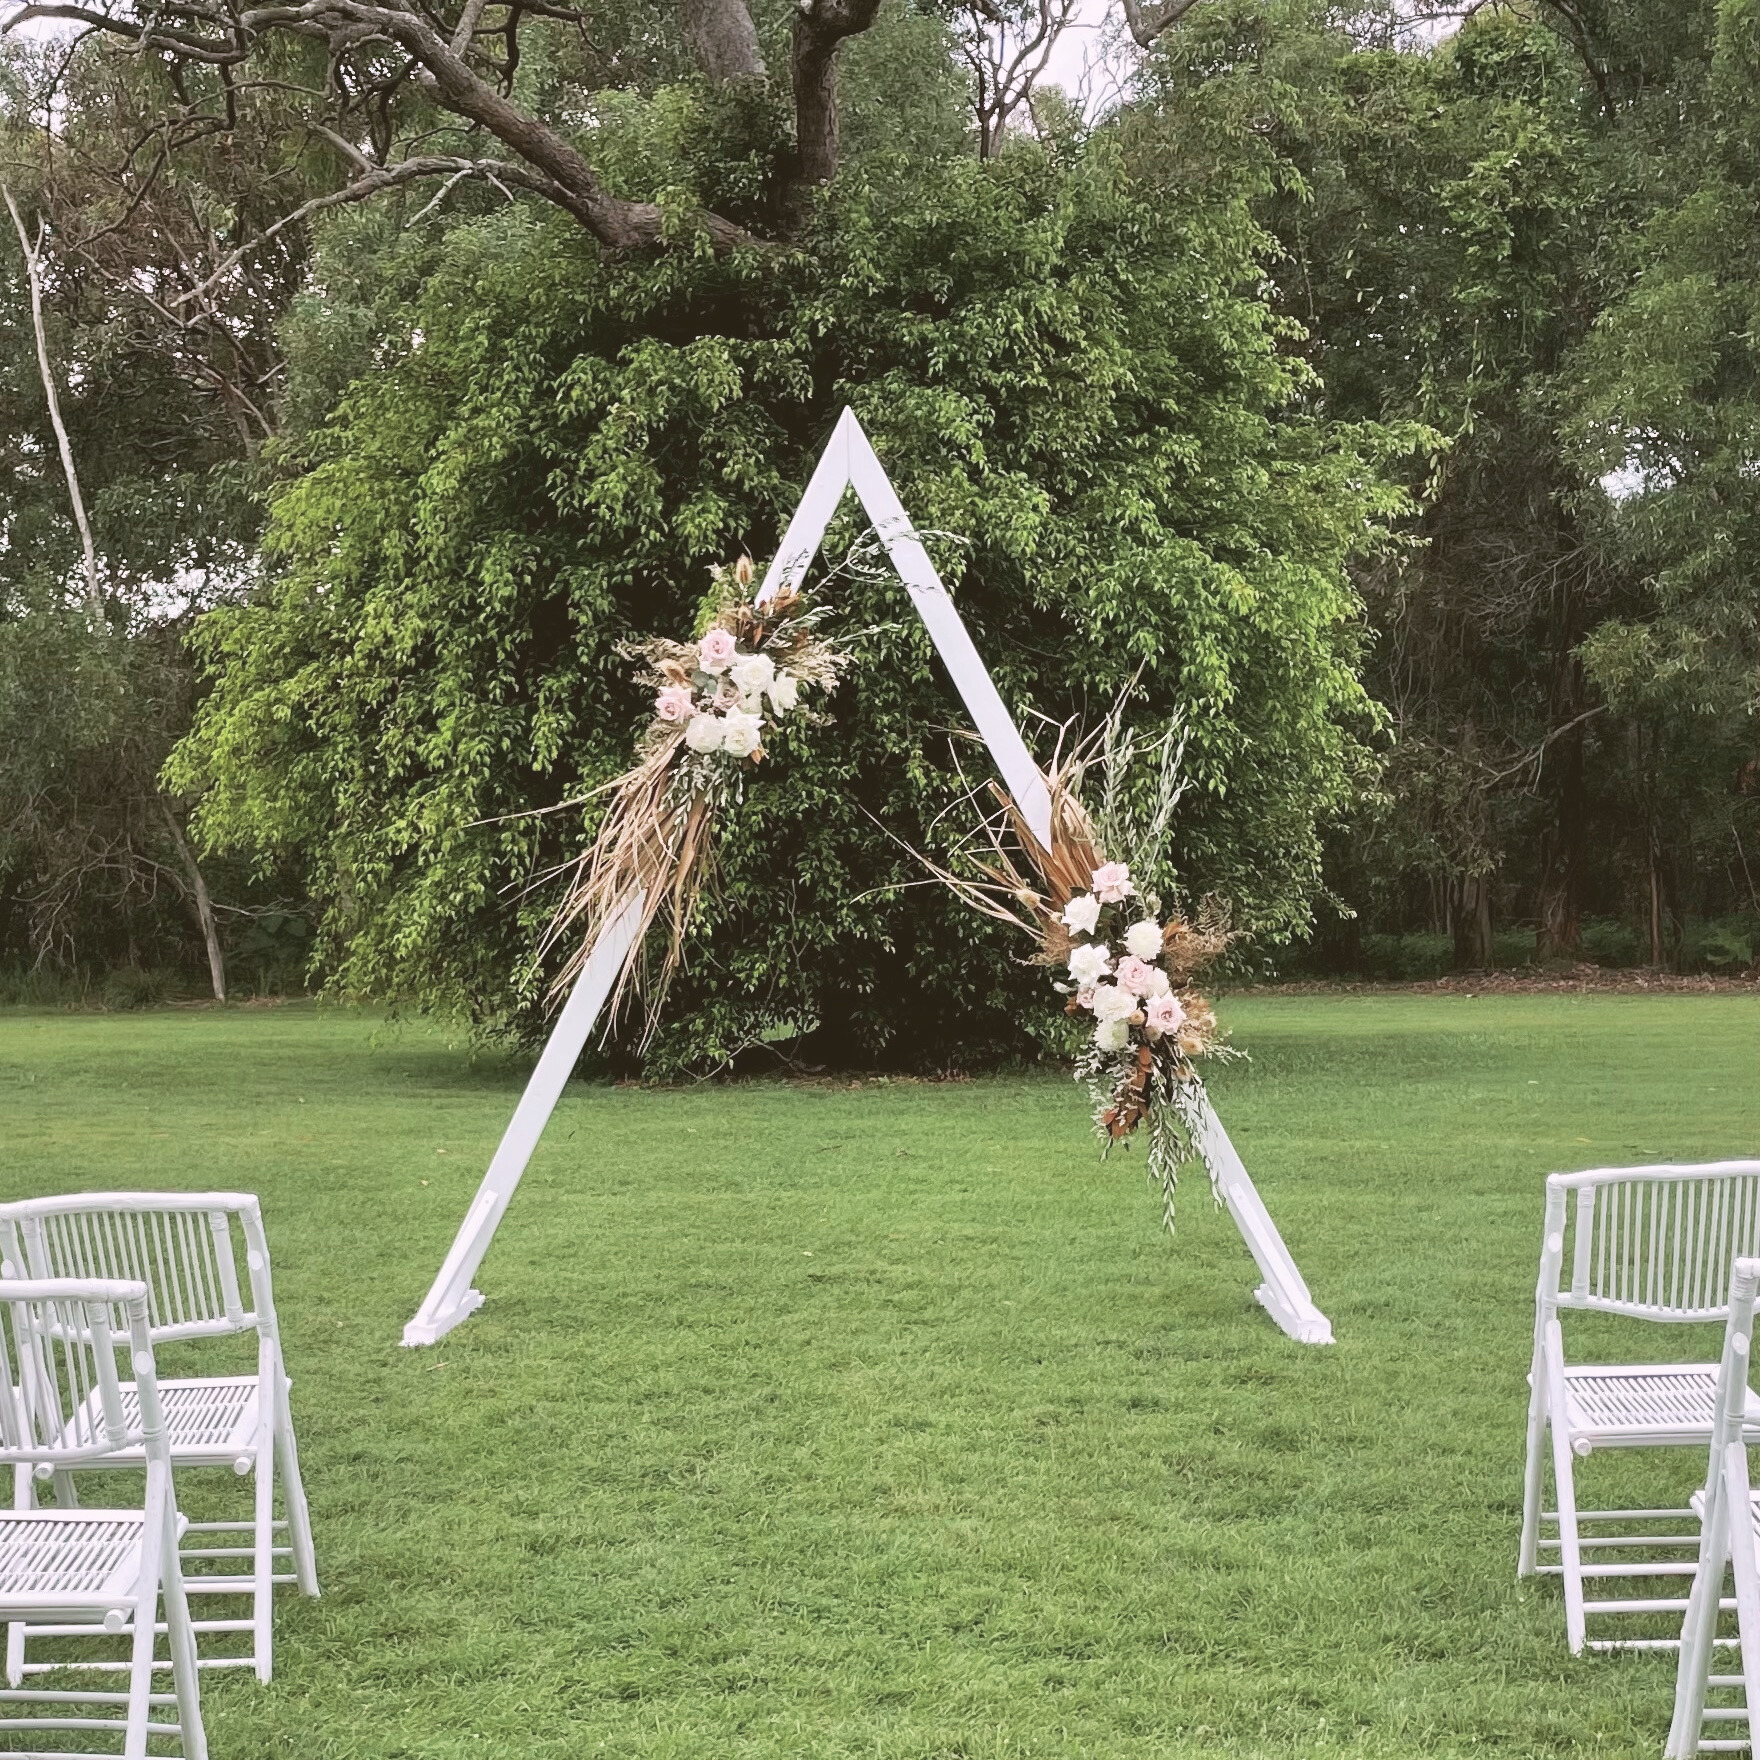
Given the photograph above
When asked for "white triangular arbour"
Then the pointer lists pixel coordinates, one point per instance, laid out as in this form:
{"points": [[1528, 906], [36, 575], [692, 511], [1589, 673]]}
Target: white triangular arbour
{"points": [[848, 463]]}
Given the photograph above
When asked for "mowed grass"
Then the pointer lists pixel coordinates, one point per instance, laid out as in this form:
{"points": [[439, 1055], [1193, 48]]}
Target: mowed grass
{"points": [[879, 1420]]}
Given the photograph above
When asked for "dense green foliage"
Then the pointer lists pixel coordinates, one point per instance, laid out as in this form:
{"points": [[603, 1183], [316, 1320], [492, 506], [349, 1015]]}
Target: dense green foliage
{"points": [[1146, 370], [882, 1423], [1059, 365], [1512, 237]]}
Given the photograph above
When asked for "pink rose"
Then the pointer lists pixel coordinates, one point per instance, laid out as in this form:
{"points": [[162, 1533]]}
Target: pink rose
{"points": [[674, 703], [716, 651], [1162, 1014], [1085, 998], [1135, 975], [1112, 883]]}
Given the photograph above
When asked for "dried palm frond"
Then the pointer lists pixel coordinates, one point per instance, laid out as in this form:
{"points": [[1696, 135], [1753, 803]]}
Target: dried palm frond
{"points": [[653, 841]]}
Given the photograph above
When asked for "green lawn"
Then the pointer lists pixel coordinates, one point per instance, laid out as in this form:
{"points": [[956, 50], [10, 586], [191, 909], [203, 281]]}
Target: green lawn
{"points": [[879, 1420]]}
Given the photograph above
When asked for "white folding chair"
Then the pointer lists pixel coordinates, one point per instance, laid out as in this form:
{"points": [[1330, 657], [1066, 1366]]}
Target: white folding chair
{"points": [[90, 1573], [1648, 1243], [1727, 1537], [182, 1246]]}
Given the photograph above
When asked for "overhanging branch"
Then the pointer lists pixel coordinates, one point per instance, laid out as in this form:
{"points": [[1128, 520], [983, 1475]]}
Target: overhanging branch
{"points": [[1147, 22]]}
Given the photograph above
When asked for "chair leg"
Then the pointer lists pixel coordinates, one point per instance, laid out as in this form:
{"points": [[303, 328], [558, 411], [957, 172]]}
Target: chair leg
{"points": [[1570, 1552], [1699, 1628], [24, 1496], [293, 1495], [140, 1669], [263, 1589], [1534, 1472], [184, 1678], [1739, 1525]]}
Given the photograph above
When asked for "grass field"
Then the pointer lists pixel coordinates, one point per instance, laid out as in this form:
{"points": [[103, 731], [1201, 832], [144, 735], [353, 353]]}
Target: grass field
{"points": [[879, 1420]]}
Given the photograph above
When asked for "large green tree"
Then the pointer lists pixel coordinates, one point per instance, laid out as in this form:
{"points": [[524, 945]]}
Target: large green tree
{"points": [[1668, 405], [1067, 369]]}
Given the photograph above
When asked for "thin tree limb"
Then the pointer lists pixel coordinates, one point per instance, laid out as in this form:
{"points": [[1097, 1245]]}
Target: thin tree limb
{"points": [[204, 906], [33, 269], [381, 178]]}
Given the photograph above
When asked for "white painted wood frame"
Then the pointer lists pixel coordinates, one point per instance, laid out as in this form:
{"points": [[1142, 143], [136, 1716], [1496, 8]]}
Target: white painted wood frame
{"points": [[848, 463]]}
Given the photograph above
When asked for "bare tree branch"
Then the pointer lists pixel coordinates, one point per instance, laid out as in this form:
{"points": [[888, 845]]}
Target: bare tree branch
{"points": [[380, 178], [210, 31]]}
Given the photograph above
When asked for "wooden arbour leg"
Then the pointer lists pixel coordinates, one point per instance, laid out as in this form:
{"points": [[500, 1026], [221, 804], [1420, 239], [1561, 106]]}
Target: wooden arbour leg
{"points": [[1283, 1295], [848, 462], [451, 1299]]}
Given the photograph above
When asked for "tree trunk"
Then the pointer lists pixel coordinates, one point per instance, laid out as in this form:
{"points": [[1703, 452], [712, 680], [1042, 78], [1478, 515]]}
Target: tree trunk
{"points": [[723, 38], [1656, 886], [1564, 850], [199, 899], [1471, 913], [820, 27], [1564, 840]]}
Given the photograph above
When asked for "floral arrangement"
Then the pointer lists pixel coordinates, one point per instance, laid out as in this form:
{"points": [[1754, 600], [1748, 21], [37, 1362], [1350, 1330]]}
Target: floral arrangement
{"points": [[1128, 966], [718, 694], [1131, 973], [716, 700]]}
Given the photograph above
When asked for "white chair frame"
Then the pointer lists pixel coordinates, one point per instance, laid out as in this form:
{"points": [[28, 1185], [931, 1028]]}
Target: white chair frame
{"points": [[1647, 1243], [181, 1245], [1728, 1537], [91, 1572]]}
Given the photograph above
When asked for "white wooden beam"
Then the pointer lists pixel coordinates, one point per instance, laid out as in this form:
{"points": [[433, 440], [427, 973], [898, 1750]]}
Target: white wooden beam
{"points": [[1283, 1295], [451, 1299]]}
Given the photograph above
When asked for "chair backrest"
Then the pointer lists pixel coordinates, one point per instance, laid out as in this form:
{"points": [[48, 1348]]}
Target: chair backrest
{"points": [[179, 1244], [63, 1398], [1655, 1243]]}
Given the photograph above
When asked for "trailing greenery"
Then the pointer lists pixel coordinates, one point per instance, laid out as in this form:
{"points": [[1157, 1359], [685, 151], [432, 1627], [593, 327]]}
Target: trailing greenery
{"points": [[1060, 362]]}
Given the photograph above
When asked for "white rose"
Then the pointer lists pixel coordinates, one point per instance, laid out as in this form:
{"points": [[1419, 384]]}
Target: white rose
{"points": [[1113, 1035], [1089, 962], [1082, 914], [1144, 939], [703, 733], [1112, 1003], [752, 673], [785, 691], [741, 734], [1159, 983]]}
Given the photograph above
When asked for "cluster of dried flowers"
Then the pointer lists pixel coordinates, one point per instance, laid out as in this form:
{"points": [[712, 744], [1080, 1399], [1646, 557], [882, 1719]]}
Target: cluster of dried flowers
{"points": [[717, 696], [1129, 966], [716, 700]]}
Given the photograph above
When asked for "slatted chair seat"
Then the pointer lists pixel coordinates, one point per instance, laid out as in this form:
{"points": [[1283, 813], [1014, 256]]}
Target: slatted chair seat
{"points": [[72, 1565], [1640, 1405], [1643, 1243], [209, 1422], [184, 1247]]}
